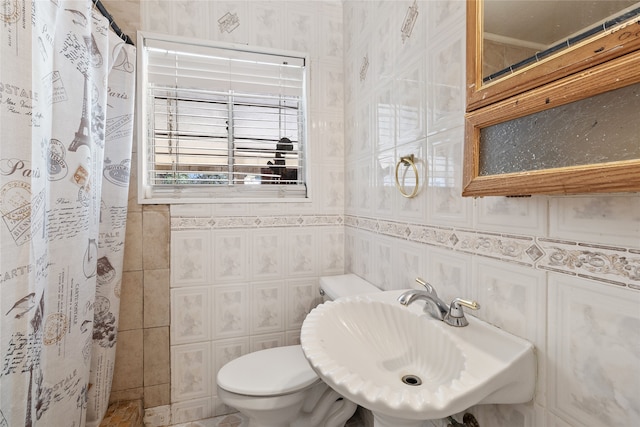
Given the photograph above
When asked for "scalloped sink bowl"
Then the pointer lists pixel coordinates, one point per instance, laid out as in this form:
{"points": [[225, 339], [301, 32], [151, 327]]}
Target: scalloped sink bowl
{"points": [[406, 366]]}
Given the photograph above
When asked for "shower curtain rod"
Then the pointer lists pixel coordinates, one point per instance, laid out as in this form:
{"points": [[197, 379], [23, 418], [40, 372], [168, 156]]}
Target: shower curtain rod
{"points": [[98, 4]]}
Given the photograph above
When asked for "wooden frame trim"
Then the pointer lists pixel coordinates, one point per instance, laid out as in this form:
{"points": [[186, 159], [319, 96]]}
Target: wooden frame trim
{"points": [[603, 47], [604, 177]]}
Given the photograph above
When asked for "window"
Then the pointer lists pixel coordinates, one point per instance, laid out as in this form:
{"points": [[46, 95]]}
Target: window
{"points": [[220, 122]]}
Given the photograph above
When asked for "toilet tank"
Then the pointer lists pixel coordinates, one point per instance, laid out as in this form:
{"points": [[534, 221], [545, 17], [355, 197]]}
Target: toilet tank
{"points": [[343, 285]]}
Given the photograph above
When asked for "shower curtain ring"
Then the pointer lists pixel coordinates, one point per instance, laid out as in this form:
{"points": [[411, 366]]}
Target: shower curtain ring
{"points": [[408, 161]]}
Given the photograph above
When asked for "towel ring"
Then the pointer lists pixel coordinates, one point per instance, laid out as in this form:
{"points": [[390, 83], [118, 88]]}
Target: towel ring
{"points": [[409, 161]]}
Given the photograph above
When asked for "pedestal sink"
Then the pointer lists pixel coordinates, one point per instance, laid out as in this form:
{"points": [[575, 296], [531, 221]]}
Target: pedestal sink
{"points": [[407, 367]]}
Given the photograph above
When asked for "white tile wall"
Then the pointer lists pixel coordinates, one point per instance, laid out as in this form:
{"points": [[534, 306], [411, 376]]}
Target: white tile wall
{"points": [[564, 272], [594, 352], [243, 277]]}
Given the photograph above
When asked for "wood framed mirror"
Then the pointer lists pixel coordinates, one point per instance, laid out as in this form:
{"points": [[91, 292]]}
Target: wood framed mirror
{"points": [[560, 119]]}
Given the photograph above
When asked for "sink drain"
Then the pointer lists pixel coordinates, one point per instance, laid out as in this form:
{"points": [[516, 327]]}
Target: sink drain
{"points": [[411, 380]]}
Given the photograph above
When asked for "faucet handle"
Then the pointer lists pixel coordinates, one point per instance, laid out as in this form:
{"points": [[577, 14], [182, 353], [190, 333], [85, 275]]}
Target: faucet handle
{"points": [[427, 286], [455, 317]]}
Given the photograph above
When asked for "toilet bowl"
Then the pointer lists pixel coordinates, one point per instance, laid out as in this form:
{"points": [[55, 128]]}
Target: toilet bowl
{"points": [[276, 387]]}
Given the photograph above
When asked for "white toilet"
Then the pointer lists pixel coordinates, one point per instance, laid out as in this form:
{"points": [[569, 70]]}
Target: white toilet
{"points": [[277, 387]]}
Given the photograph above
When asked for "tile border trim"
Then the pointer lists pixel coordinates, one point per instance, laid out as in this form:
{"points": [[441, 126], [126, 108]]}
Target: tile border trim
{"points": [[610, 265]]}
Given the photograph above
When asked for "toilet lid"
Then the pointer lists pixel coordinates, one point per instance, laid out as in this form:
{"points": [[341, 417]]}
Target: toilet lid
{"points": [[268, 372]]}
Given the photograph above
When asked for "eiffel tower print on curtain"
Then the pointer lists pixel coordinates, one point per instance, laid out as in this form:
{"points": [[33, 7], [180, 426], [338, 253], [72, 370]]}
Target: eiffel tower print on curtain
{"points": [[83, 135]]}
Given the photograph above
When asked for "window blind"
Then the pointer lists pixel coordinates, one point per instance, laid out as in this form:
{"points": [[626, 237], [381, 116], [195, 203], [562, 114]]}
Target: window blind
{"points": [[223, 121]]}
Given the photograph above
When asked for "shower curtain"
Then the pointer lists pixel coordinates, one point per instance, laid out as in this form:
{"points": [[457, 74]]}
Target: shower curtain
{"points": [[66, 128]]}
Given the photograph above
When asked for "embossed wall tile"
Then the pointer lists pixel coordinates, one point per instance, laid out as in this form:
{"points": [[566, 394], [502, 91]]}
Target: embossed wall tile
{"points": [[332, 188], [190, 18], [191, 410], [350, 176], [268, 23], [512, 214], [190, 253], [190, 371], [230, 257], [330, 142], [263, 342], [385, 193], [156, 15], [292, 337], [331, 43], [383, 48], [408, 262], [331, 254], [301, 30], [268, 259], [385, 112], [227, 413], [267, 307], [190, 315], [607, 219], [442, 14], [302, 296], [331, 80], [230, 311], [445, 206], [365, 131], [363, 261], [349, 249], [594, 352], [410, 101], [268, 209], [554, 421], [230, 209], [513, 298], [301, 249], [223, 352], [382, 270], [450, 273], [202, 210], [446, 79]]}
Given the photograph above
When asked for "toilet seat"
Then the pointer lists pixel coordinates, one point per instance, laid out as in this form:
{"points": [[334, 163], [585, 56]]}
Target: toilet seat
{"points": [[269, 372]]}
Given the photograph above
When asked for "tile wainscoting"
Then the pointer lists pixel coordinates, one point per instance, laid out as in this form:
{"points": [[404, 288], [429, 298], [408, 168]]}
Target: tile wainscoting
{"points": [[611, 265]]}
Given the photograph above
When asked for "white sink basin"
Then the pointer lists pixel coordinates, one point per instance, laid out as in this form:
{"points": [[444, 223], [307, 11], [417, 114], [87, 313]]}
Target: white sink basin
{"points": [[364, 346]]}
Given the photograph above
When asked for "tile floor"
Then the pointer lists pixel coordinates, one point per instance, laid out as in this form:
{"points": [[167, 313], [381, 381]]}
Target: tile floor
{"points": [[124, 414], [238, 420]]}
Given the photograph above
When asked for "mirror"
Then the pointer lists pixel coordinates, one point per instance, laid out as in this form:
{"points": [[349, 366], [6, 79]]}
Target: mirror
{"points": [[518, 33], [546, 116], [517, 45]]}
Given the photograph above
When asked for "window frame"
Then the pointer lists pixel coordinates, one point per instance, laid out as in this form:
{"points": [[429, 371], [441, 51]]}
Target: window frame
{"points": [[181, 194]]}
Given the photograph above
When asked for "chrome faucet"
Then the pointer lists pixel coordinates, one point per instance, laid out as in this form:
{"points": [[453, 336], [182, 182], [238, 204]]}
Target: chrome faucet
{"points": [[452, 315]]}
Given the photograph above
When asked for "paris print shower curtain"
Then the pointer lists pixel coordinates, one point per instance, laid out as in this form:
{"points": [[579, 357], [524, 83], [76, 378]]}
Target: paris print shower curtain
{"points": [[66, 125]]}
